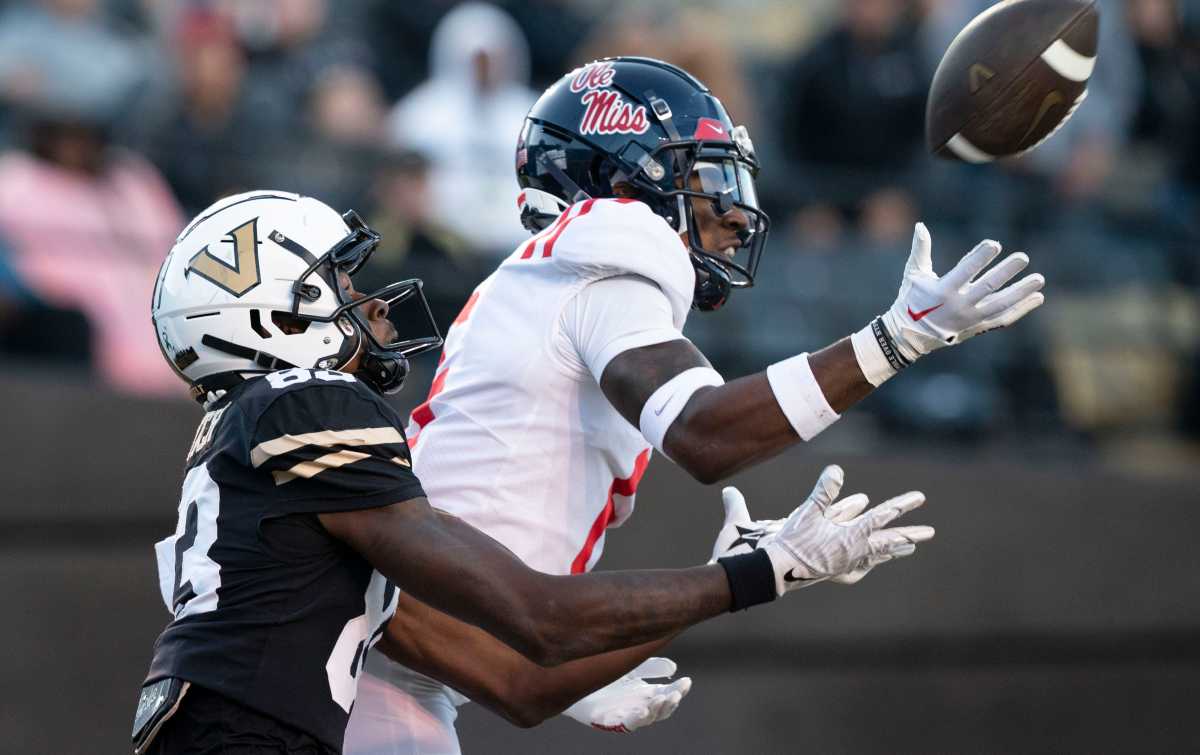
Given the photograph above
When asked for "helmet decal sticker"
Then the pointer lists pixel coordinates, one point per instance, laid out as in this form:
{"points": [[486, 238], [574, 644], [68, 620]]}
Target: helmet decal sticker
{"points": [[607, 112], [243, 275], [710, 130], [593, 76]]}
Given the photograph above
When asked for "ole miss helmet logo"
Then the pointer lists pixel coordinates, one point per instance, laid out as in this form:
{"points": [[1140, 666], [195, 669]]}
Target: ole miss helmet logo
{"points": [[606, 111]]}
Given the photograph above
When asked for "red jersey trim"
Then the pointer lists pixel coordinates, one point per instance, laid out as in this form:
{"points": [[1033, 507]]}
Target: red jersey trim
{"points": [[621, 486]]}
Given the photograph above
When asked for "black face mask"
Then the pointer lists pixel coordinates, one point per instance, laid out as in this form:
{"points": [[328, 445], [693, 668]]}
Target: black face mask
{"points": [[384, 363]]}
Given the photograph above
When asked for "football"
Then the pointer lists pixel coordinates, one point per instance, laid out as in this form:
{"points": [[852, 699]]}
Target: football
{"points": [[1011, 78]]}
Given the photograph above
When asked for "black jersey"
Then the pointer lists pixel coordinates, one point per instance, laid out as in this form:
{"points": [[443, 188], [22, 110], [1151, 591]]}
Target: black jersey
{"points": [[269, 609]]}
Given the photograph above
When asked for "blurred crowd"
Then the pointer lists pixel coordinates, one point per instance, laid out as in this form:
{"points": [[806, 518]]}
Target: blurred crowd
{"points": [[121, 118]]}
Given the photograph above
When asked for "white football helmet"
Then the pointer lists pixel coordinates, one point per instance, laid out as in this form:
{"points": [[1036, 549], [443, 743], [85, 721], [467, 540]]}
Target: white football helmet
{"points": [[251, 286]]}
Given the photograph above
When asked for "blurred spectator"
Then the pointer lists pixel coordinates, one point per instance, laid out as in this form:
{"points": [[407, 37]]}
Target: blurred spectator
{"points": [[333, 151], [414, 245], [66, 54], [203, 136], [398, 36], [1168, 116], [89, 225], [852, 119], [289, 44], [347, 106], [31, 329], [466, 118]]}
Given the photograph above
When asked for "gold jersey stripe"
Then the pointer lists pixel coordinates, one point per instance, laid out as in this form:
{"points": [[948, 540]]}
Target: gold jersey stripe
{"points": [[363, 436], [307, 469]]}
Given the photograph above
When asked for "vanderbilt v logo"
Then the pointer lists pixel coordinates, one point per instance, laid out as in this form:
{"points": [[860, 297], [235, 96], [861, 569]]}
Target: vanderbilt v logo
{"points": [[243, 275]]}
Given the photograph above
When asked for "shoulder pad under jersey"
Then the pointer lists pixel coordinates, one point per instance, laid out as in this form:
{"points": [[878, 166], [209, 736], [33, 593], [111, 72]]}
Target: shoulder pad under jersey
{"points": [[605, 237]]}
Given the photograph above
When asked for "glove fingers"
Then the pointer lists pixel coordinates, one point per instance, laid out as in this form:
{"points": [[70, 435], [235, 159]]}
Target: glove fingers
{"points": [[653, 711], [1013, 313], [917, 533], [654, 668], [829, 484], [894, 507], [735, 506], [920, 258], [851, 577], [972, 264], [847, 508], [893, 544], [993, 304], [682, 685], [669, 697], [994, 279], [667, 707]]}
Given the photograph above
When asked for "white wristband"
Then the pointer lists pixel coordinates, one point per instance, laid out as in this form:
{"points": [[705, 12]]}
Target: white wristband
{"points": [[871, 360], [665, 404], [799, 395]]}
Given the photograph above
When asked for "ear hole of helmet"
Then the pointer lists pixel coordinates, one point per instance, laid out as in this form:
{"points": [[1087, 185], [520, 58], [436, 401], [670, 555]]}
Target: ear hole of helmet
{"points": [[289, 323]]}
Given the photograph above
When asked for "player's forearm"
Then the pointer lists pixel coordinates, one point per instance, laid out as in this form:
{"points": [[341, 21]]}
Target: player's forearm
{"points": [[546, 692], [493, 674], [459, 570], [838, 373], [598, 613], [727, 428], [555, 619]]}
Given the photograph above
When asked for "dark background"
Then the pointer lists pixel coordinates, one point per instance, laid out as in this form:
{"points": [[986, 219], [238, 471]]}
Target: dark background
{"points": [[1056, 611]]}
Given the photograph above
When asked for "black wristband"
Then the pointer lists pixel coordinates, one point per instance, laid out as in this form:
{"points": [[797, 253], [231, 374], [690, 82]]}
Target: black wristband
{"points": [[888, 345], [751, 579]]}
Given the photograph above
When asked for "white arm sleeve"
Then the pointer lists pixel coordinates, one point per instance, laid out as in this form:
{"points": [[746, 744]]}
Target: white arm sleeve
{"points": [[614, 315]]}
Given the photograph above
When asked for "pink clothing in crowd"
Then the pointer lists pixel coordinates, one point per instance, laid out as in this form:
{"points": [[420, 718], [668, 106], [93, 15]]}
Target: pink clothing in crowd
{"points": [[95, 244]]}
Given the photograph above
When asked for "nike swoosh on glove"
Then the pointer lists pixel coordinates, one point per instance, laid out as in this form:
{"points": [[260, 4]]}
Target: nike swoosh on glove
{"points": [[932, 312], [630, 703], [825, 538]]}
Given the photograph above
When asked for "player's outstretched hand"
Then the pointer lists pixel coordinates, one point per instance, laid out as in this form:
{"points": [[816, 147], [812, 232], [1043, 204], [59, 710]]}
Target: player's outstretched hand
{"points": [[631, 702], [932, 312], [826, 538]]}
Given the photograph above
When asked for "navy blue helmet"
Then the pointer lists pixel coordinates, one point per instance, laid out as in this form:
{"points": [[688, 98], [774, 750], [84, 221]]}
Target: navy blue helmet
{"points": [[656, 128]]}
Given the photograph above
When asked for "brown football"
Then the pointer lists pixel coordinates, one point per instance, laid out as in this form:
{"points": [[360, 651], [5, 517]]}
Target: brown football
{"points": [[1011, 78]]}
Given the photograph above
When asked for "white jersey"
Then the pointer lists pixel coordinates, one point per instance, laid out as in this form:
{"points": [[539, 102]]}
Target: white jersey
{"points": [[516, 437]]}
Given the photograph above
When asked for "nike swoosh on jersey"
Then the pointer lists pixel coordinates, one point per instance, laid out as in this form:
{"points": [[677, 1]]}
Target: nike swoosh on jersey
{"points": [[918, 316]]}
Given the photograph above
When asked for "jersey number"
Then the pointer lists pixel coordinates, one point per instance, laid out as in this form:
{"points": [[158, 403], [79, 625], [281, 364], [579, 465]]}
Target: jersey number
{"points": [[284, 378], [188, 576], [357, 636]]}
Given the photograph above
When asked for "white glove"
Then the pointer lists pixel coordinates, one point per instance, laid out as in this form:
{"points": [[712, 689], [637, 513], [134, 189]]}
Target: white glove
{"points": [[932, 312], [630, 703], [821, 539], [740, 534]]}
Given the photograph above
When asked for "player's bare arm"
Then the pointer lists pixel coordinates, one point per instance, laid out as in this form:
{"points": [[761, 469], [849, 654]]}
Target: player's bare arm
{"points": [[551, 619], [491, 673], [724, 428]]}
